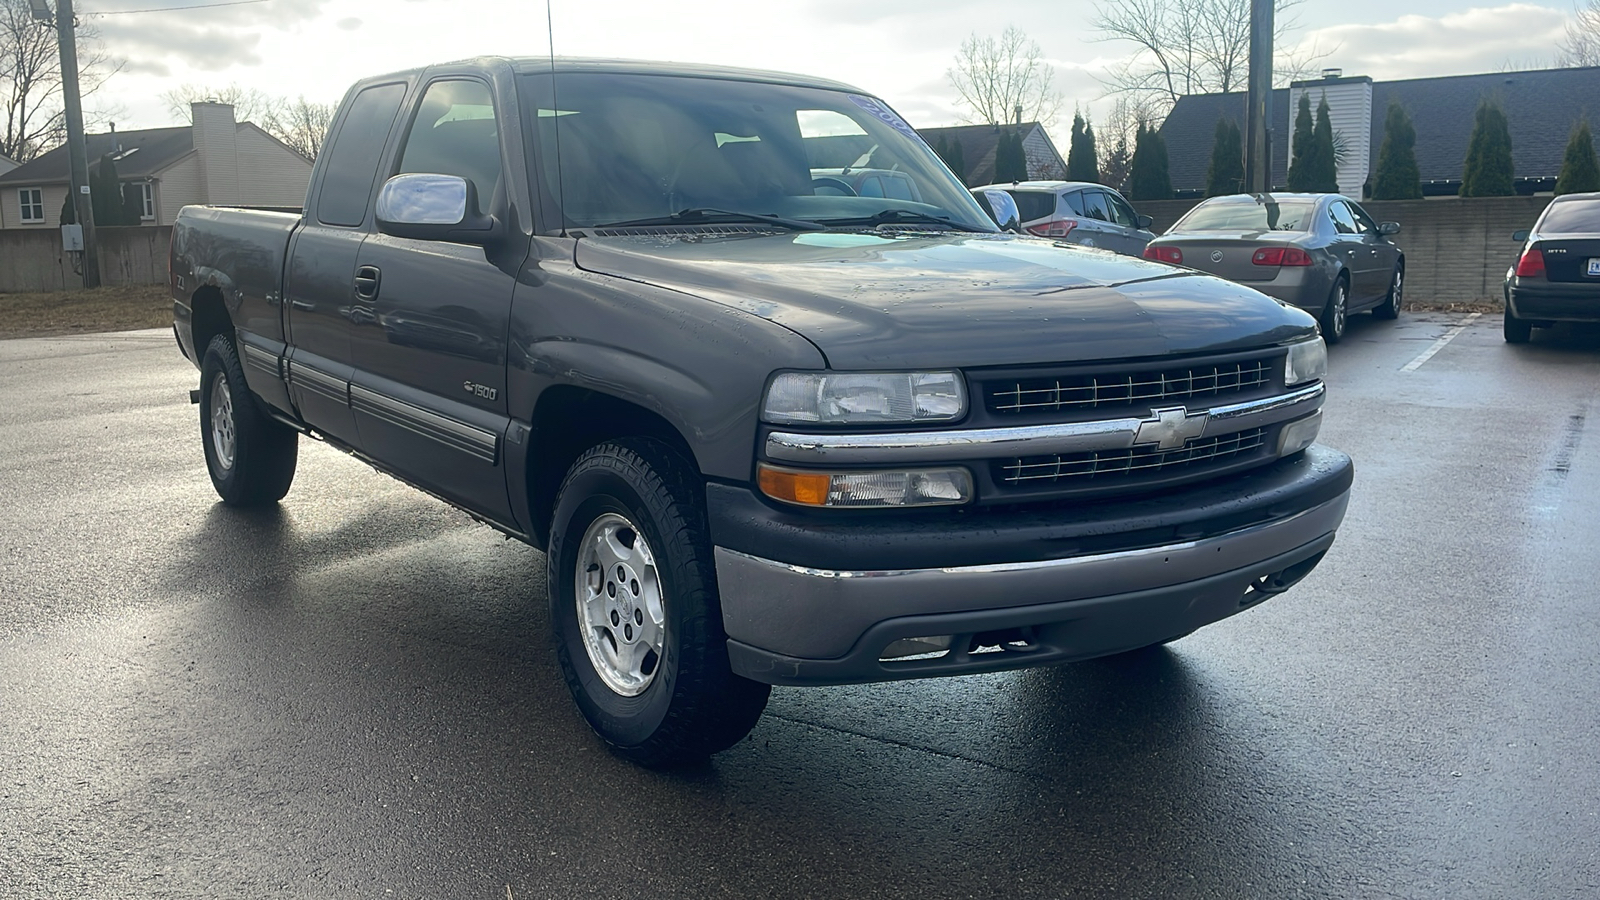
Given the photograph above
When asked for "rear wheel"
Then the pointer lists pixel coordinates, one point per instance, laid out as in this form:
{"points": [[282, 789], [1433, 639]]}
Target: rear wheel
{"points": [[250, 457], [635, 612], [1334, 314], [1517, 331], [1390, 307]]}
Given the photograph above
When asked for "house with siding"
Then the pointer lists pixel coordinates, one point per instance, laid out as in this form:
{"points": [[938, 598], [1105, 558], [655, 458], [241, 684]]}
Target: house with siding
{"points": [[979, 143], [1541, 106], [6, 164], [215, 160]]}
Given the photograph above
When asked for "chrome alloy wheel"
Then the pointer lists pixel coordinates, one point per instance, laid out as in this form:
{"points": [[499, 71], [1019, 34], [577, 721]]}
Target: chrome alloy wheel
{"points": [[619, 605], [1399, 288], [223, 440], [1341, 304]]}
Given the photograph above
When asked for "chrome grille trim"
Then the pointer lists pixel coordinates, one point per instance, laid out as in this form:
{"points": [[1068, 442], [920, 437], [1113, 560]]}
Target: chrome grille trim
{"points": [[1020, 441], [1090, 392], [1128, 463]]}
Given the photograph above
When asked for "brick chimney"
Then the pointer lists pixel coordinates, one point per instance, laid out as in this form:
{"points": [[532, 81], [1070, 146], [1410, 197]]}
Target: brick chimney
{"points": [[216, 144]]}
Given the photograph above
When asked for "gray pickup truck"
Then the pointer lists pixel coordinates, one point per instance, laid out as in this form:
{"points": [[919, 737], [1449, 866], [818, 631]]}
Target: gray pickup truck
{"points": [[768, 429]]}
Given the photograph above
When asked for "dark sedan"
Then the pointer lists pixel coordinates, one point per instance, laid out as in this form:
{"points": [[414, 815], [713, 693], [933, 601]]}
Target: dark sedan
{"points": [[1320, 252], [1557, 278]]}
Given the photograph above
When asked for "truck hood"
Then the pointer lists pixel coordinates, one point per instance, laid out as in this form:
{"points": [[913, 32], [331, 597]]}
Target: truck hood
{"points": [[954, 300]]}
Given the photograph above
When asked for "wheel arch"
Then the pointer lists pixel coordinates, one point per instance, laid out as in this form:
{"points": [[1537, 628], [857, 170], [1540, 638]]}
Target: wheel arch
{"points": [[208, 318], [568, 420]]}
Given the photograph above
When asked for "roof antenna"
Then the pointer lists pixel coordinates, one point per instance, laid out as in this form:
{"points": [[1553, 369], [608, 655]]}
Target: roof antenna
{"points": [[555, 113]]}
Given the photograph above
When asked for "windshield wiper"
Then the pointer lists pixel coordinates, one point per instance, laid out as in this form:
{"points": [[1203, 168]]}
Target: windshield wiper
{"points": [[901, 217], [709, 214]]}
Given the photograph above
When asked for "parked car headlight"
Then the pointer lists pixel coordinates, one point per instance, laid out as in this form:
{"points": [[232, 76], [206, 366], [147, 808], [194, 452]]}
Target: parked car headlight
{"points": [[858, 398], [1307, 361]]}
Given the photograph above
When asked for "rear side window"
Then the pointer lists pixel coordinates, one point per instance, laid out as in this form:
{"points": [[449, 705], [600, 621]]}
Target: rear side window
{"points": [[1572, 217], [1343, 222], [353, 159], [1034, 204], [1094, 206]]}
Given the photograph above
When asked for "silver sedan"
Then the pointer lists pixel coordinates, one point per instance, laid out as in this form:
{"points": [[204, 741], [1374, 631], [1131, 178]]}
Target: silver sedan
{"points": [[1320, 252]]}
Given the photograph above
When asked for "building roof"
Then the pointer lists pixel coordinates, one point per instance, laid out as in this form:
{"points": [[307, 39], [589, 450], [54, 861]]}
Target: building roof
{"points": [[979, 143], [144, 153], [6, 164], [1542, 106]]}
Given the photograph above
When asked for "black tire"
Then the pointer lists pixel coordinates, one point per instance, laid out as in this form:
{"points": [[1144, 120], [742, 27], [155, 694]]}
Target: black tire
{"points": [[264, 451], [1517, 331], [1391, 305], [691, 704], [1337, 311]]}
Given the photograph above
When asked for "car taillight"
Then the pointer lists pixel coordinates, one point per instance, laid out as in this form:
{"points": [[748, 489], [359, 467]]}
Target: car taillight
{"points": [[1281, 256], [1531, 265], [1054, 228], [1164, 254]]}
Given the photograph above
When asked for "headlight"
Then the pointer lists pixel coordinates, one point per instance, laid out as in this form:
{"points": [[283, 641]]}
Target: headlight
{"points": [[843, 398], [1307, 361], [866, 490]]}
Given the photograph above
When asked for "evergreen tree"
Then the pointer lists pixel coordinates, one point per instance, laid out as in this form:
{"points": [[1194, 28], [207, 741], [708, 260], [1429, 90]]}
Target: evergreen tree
{"points": [[132, 204], [1324, 174], [1226, 174], [105, 194], [1082, 164], [1580, 170], [1488, 171], [69, 213], [1298, 176], [1010, 161], [1149, 178], [1398, 177]]}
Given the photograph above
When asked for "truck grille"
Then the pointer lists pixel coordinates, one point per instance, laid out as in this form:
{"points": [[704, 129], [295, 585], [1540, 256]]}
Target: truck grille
{"points": [[1067, 392], [1131, 463]]}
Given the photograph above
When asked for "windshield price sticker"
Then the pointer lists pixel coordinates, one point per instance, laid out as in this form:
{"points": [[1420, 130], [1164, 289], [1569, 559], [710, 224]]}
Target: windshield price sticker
{"points": [[885, 115]]}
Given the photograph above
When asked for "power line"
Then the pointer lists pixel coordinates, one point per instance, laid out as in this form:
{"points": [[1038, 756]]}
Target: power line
{"points": [[129, 12]]}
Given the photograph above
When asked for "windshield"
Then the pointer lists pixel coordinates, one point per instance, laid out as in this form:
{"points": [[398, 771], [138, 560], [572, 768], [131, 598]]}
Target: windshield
{"points": [[637, 148], [1258, 215]]}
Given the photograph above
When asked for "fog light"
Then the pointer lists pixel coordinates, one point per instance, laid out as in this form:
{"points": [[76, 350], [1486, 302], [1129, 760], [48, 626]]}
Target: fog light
{"points": [[916, 646], [865, 490], [1299, 435]]}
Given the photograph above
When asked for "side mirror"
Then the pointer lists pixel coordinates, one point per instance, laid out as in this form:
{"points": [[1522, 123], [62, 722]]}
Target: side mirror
{"points": [[1519, 236], [1388, 228], [434, 208], [1002, 208], [1144, 222]]}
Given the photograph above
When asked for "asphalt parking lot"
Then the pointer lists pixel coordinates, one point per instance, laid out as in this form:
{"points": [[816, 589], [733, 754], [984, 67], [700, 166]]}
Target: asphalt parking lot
{"points": [[353, 694]]}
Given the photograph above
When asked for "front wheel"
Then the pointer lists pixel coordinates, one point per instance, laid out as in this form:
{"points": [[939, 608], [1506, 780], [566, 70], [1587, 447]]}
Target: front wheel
{"points": [[1390, 307], [1335, 313], [634, 608], [250, 457]]}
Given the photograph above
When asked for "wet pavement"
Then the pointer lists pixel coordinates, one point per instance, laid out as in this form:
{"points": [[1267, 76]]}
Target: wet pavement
{"points": [[353, 694]]}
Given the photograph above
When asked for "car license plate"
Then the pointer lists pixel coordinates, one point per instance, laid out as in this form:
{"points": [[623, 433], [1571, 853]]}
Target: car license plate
{"points": [[1594, 267]]}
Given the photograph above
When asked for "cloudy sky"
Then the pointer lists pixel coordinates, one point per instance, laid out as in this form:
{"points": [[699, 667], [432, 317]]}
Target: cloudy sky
{"points": [[900, 51]]}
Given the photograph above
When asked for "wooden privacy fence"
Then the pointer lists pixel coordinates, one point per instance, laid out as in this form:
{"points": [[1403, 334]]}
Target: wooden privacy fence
{"points": [[31, 259]]}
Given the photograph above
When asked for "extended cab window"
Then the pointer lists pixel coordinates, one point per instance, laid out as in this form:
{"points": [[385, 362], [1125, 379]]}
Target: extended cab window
{"points": [[353, 160], [455, 134]]}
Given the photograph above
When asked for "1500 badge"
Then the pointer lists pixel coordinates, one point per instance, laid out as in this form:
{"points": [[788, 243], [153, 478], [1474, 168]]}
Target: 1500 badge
{"points": [[481, 391]]}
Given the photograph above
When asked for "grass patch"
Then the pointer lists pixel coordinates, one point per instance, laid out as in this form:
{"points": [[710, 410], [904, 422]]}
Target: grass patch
{"points": [[126, 307]]}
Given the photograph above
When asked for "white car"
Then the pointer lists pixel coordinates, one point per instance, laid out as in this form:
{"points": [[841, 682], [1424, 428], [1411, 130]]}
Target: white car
{"points": [[1079, 212]]}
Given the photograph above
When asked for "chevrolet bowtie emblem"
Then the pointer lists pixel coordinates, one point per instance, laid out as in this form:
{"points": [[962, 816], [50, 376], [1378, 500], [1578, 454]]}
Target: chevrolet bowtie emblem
{"points": [[1171, 428]]}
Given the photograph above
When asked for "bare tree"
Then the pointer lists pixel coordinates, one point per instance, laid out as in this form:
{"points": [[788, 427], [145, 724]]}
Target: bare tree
{"points": [[30, 80], [1115, 132], [299, 123], [1580, 45], [995, 75], [1192, 47]]}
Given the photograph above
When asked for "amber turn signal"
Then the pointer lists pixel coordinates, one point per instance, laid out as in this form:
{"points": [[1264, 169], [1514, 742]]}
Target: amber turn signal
{"points": [[804, 488]]}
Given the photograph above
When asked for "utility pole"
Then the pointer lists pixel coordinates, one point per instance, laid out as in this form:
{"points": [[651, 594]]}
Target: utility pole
{"points": [[77, 149], [1258, 140]]}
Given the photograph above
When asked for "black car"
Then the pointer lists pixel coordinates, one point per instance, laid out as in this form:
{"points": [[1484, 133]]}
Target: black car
{"points": [[1557, 278]]}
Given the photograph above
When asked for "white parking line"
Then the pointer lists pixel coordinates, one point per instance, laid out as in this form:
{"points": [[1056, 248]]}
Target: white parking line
{"points": [[1438, 345]]}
